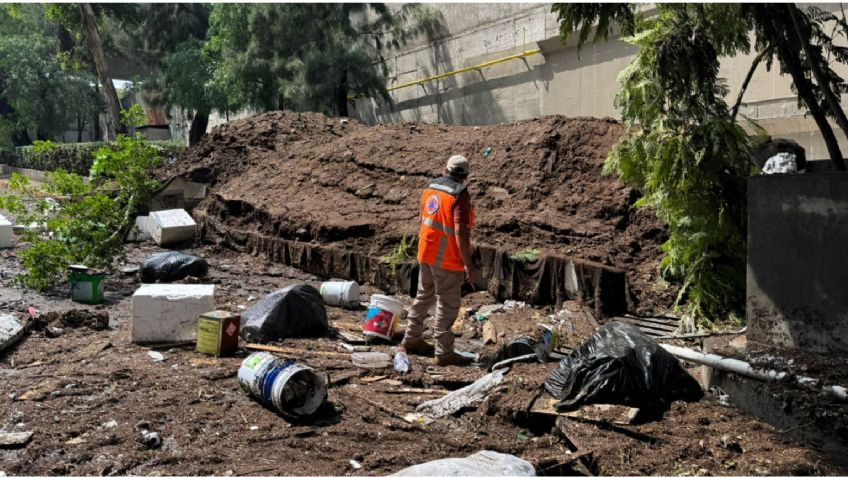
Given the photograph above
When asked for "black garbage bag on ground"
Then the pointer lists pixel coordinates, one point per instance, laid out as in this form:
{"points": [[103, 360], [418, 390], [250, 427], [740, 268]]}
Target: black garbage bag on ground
{"points": [[294, 311], [172, 266], [621, 365]]}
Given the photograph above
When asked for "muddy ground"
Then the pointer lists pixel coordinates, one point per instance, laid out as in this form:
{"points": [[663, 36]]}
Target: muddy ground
{"points": [[68, 389], [535, 184]]}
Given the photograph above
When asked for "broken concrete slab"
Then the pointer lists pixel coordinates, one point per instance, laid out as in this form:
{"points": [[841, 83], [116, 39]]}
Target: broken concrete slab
{"points": [[14, 439], [171, 226], [11, 330], [169, 313]]}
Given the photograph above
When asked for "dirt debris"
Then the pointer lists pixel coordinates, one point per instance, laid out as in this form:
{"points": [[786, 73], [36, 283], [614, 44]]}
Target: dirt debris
{"points": [[308, 177], [96, 392]]}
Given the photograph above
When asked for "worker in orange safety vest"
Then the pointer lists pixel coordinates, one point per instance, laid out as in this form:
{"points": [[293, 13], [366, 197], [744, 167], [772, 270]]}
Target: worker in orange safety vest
{"points": [[444, 258]]}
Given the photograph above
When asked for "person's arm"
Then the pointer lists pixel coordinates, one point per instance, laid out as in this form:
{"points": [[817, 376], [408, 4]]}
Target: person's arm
{"points": [[462, 217]]}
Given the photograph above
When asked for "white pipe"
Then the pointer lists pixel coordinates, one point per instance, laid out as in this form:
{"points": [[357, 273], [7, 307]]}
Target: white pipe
{"points": [[742, 368], [510, 361], [725, 364]]}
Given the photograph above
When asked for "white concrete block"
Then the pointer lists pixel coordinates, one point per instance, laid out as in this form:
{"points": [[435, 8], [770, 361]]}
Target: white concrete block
{"points": [[5, 232], [139, 233], [11, 330], [169, 313], [169, 226]]}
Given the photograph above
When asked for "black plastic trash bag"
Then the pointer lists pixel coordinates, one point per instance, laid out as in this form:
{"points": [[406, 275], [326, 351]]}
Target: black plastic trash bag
{"points": [[621, 365], [172, 266], [294, 311]]}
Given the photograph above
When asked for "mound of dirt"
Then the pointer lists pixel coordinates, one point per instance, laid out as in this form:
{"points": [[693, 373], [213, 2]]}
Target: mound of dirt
{"points": [[534, 184]]}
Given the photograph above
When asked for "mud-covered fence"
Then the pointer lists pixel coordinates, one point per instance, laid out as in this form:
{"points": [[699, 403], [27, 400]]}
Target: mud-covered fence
{"points": [[550, 280]]}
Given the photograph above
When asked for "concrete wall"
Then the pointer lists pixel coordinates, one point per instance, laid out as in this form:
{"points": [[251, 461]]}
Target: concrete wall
{"points": [[559, 81], [797, 265]]}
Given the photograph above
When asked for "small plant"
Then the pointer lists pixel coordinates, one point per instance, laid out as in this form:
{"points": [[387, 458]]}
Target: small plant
{"points": [[530, 255], [44, 146], [402, 253], [74, 220]]}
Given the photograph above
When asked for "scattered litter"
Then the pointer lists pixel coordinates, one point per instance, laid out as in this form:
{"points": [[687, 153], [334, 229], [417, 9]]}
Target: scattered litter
{"points": [[217, 333], [490, 334], [486, 310], [479, 464], [156, 356], [75, 441], [487, 151], [401, 362], [110, 424], [513, 305], [730, 444], [463, 397], [130, 270], [172, 266], [382, 318], [351, 337], [294, 311], [254, 428], [370, 360], [294, 390], [14, 439], [620, 364], [343, 294], [32, 312], [417, 418], [251, 298], [54, 332], [356, 465], [456, 328], [86, 284], [151, 439], [373, 379]]}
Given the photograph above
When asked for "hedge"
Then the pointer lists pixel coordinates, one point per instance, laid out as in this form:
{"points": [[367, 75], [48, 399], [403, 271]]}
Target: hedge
{"points": [[72, 157]]}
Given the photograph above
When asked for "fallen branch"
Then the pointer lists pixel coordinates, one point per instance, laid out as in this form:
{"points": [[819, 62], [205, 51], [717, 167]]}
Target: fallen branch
{"points": [[294, 351]]}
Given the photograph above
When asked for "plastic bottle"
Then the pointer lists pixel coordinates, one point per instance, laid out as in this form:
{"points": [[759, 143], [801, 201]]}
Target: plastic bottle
{"points": [[401, 362], [370, 360]]}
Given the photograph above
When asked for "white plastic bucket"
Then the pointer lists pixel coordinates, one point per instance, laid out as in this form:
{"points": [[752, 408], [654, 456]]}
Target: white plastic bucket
{"points": [[298, 391], [252, 372], [344, 294], [382, 318]]}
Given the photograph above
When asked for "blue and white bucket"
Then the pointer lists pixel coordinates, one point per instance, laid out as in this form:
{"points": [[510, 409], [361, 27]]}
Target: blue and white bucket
{"points": [[294, 390]]}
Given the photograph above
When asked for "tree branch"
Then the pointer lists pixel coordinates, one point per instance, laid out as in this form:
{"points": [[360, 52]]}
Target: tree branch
{"points": [[745, 83]]}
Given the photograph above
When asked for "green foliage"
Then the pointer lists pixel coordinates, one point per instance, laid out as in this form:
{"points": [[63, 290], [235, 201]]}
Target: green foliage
{"points": [[134, 117], [685, 153], [81, 221], [72, 157], [40, 93], [402, 253], [594, 16], [529, 255], [307, 56], [44, 146]]}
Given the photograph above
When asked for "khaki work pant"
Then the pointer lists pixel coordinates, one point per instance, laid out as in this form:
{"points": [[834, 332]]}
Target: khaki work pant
{"points": [[443, 287]]}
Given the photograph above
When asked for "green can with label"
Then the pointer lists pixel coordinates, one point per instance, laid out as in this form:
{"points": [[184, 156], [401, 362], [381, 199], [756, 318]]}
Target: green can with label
{"points": [[86, 284], [218, 332]]}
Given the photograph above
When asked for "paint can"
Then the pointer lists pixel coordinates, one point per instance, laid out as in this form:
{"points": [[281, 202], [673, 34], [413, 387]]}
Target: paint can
{"points": [[382, 317], [86, 284], [343, 294], [294, 390]]}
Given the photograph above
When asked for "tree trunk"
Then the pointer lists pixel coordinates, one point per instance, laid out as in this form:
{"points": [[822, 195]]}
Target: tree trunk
{"points": [[831, 99], [80, 127], [198, 127], [793, 64], [95, 47], [341, 97], [751, 70]]}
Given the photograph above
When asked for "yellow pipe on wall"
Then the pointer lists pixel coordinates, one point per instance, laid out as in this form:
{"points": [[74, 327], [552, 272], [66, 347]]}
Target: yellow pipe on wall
{"points": [[467, 69]]}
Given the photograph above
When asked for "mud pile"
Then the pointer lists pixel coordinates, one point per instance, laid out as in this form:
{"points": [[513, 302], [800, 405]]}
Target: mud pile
{"points": [[534, 184]]}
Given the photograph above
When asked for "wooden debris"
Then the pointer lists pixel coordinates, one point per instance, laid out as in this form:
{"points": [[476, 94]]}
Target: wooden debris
{"points": [[490, 334], [373, 379], [415, 391], [351, 337], [456, 329], [75, 441], [14, 439], [41, 391], [294, 351]]}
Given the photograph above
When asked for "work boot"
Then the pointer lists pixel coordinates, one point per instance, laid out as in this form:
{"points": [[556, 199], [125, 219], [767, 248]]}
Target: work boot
{"points": [[453, 359], [417, 346]]}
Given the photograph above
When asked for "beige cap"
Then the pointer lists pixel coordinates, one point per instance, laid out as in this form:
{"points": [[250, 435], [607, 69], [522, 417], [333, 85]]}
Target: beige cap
{"points": [[459, 165]]}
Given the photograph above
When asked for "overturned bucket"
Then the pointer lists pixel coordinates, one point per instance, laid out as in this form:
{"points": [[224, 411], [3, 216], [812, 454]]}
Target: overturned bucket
{"points": [[382, 318], [294, 390], [343, 294]]}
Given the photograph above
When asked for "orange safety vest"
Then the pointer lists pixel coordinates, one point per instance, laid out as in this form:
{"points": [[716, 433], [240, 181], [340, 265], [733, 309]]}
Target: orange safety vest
{"points": [[437, 234]]}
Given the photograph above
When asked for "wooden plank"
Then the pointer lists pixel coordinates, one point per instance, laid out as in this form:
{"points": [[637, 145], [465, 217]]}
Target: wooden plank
{"points": [[490, 334], [294, 351], [642, 324], [660, 321], [351, 337]]}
